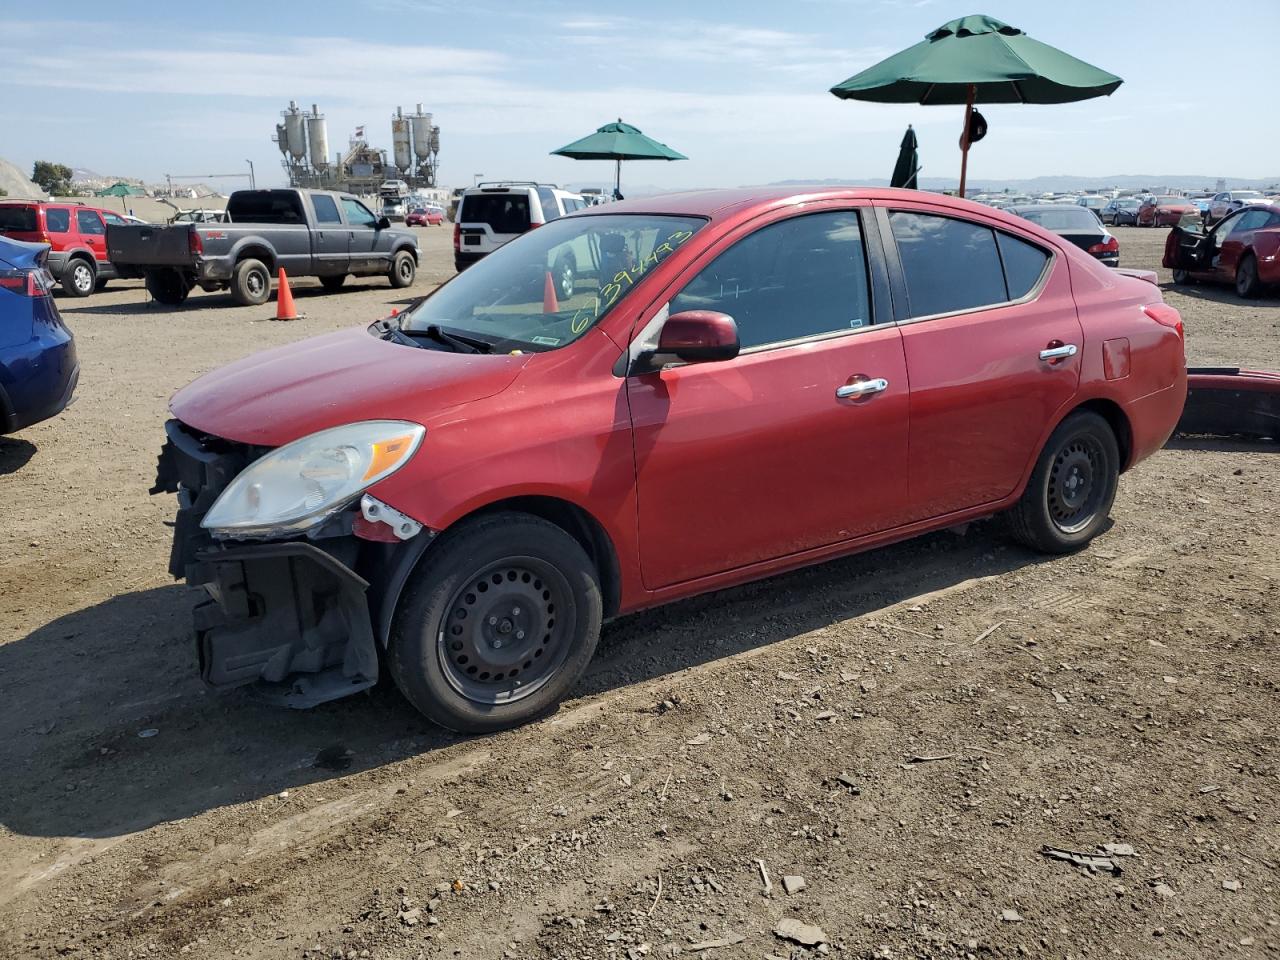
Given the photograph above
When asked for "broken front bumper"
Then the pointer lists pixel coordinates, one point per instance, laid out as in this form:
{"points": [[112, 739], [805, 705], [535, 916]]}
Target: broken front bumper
{"points": [[1228, 401], [295, 619]]}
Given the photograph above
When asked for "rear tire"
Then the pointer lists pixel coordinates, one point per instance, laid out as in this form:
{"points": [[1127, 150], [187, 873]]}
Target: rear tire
{"points": [[1181, 277], [1068, 498], [497, 625], [403, 269], [168, 287], [250, 283], [79, 278], [1247, 283], [333, 284], [565, 277]]}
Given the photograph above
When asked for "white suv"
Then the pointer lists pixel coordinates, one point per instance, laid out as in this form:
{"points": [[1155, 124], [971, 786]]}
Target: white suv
{"points": [[490, 214]]}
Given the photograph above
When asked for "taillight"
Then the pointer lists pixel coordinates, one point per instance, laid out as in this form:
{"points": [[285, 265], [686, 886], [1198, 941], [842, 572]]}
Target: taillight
{"points": [[457, 238], [1165, 315], [1112, 245], [25, 283], [195, 242]]}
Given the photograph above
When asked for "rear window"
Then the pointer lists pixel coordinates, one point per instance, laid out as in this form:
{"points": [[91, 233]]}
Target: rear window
{"points": [[503, 212], [266, 206], [18, 219], [1067, 218], [57, 219], [326, 209]]}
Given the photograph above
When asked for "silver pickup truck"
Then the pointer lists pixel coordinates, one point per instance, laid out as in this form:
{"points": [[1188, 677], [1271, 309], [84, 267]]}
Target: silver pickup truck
{"points": [[311, 233]]}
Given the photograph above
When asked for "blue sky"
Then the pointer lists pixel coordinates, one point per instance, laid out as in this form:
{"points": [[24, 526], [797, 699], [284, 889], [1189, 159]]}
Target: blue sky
{"points": [[144, 89]]}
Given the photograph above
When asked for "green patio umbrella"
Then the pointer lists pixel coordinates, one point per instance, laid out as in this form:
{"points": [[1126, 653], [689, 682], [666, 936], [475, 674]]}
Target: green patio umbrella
{"points": [[978, 59], [618, 141], [121, 190], [908, 165]]}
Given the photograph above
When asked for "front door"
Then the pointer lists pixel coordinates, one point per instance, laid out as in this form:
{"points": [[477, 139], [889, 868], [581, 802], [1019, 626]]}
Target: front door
{"points": [[799, 442], [992, 346], [362, 238]]}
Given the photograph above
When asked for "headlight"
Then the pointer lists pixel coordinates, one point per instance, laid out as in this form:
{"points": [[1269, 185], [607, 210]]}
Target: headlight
{"points": [[297, 486]]}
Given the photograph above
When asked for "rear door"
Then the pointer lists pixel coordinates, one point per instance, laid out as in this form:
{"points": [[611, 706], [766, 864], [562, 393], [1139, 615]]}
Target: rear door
{"points": [[768, 455], [991, 338], [329, 239]]}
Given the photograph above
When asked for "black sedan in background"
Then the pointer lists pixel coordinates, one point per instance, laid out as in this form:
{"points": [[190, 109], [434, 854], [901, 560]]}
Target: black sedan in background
{"points": [[1121, 210], [1077, 224]]}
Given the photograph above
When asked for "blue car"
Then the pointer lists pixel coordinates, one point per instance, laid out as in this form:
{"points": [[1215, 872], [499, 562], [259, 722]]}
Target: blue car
{"points": [[38, 366]]}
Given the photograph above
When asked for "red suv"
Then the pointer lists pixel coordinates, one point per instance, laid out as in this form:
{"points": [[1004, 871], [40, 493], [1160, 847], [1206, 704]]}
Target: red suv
{"points": [[741, 383], [76, 234]]}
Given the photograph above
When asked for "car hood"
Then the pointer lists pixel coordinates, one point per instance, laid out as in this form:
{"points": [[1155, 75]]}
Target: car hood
{"points": [[279, 395]]}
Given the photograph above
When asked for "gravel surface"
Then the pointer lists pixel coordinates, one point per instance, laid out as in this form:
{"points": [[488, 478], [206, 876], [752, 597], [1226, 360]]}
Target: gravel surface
{"points": [[892, 740]]}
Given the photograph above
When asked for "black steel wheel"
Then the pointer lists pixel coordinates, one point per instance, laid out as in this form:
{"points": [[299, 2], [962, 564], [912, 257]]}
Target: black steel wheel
{"points": [[1067, 501], [1247, 283], [250, 282], [497, 624]]}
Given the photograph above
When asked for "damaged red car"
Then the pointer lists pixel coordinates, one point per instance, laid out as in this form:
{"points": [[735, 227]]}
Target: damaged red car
{"points": [[741, 383]]}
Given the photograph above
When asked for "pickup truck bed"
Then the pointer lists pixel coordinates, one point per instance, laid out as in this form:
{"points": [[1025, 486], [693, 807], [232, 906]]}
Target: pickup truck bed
{"points": [[307, 232]]}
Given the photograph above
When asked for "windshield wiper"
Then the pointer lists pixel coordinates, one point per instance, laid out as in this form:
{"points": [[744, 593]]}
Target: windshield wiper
{"points": [[458, 342]]}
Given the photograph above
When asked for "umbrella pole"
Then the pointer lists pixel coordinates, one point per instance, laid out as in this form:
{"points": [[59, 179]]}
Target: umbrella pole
{"points": [[617, 181], [964, 137]]}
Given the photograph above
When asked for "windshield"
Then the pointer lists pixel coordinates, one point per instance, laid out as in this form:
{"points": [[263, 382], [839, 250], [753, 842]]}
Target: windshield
{"points": [[1064, 218], [1245, 194], [548, 287], [1172, 201]]}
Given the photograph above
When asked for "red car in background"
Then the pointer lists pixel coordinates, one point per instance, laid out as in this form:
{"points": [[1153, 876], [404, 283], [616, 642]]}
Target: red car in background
{"points": [[1242, 249], [742, 382], [424, 216], [77, 237], [1164, 211]]}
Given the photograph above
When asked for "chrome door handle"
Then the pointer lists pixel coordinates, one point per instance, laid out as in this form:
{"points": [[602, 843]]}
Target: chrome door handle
{"points": [[1057, 353], [862, 388]]}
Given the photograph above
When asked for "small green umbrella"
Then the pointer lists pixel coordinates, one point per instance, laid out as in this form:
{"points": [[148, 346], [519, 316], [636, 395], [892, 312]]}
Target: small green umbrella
{"points": [[978, 59], [618, 141], [120, 190], [908, 165]]}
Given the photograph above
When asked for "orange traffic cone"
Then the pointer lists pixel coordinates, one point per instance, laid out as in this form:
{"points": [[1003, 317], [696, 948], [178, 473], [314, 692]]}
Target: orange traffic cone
{"points": [[549, 302], [285, 309]]}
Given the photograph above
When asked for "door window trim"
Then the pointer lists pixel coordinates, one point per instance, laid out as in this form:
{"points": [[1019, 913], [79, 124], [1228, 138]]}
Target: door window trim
{"points": [[902, 300], [878, 282]]}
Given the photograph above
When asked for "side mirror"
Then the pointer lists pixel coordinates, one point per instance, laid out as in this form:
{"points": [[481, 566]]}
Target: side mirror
{"points": [[382, 224], [699, 336]]}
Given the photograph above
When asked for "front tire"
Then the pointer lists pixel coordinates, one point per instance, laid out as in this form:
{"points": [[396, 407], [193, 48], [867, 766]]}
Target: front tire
{"points": [[403, 269], [250, 283], [497, 625], [79, 278], [1068, 498], [1247, 283]]}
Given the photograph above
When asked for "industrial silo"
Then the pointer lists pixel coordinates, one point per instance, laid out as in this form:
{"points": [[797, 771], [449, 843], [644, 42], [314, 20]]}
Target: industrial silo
{"points": [[420, 123], [401, 141], [295, 134], [318, 139], [282, 138]]}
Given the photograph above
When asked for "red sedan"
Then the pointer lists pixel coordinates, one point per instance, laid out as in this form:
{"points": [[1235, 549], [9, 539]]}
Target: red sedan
{"points": [[742, 383], [1164, 211], [424, 216], [1242, 249]]}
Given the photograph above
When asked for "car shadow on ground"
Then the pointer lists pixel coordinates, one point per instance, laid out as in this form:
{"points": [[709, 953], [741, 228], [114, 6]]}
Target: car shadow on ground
{"points": [[108, 729], [14, 454], [1222, 293], [1211, 444]]}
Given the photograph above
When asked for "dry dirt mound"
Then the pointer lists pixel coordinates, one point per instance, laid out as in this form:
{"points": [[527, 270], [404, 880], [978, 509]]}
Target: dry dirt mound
{"points": [[16, 185]]}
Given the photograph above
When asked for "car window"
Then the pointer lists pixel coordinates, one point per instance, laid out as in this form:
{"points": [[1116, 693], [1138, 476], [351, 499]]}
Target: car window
{"points": [[795, 278], [948, 264], [358, 214], [18, 219], [1250, 220], [90, 223], [57, 219], [113, 218], [1023, 264], [549, 209], [326, 209], [503, 212]]}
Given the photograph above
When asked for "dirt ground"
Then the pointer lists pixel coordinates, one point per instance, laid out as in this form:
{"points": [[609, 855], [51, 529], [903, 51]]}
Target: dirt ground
{"points": [[905, 730]]}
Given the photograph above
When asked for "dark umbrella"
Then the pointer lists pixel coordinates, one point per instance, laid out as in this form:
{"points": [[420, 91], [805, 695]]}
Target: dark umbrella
{"points": [[908, 165], [618, 141], [978, 59]]}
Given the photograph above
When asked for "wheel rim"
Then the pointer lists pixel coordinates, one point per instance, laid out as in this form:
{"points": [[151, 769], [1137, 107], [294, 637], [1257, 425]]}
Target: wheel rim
{"points": [[506, 631], [82, 278], [1244, 277], [566, 281], [406, 269], [1077, 484], [255, 283]]}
